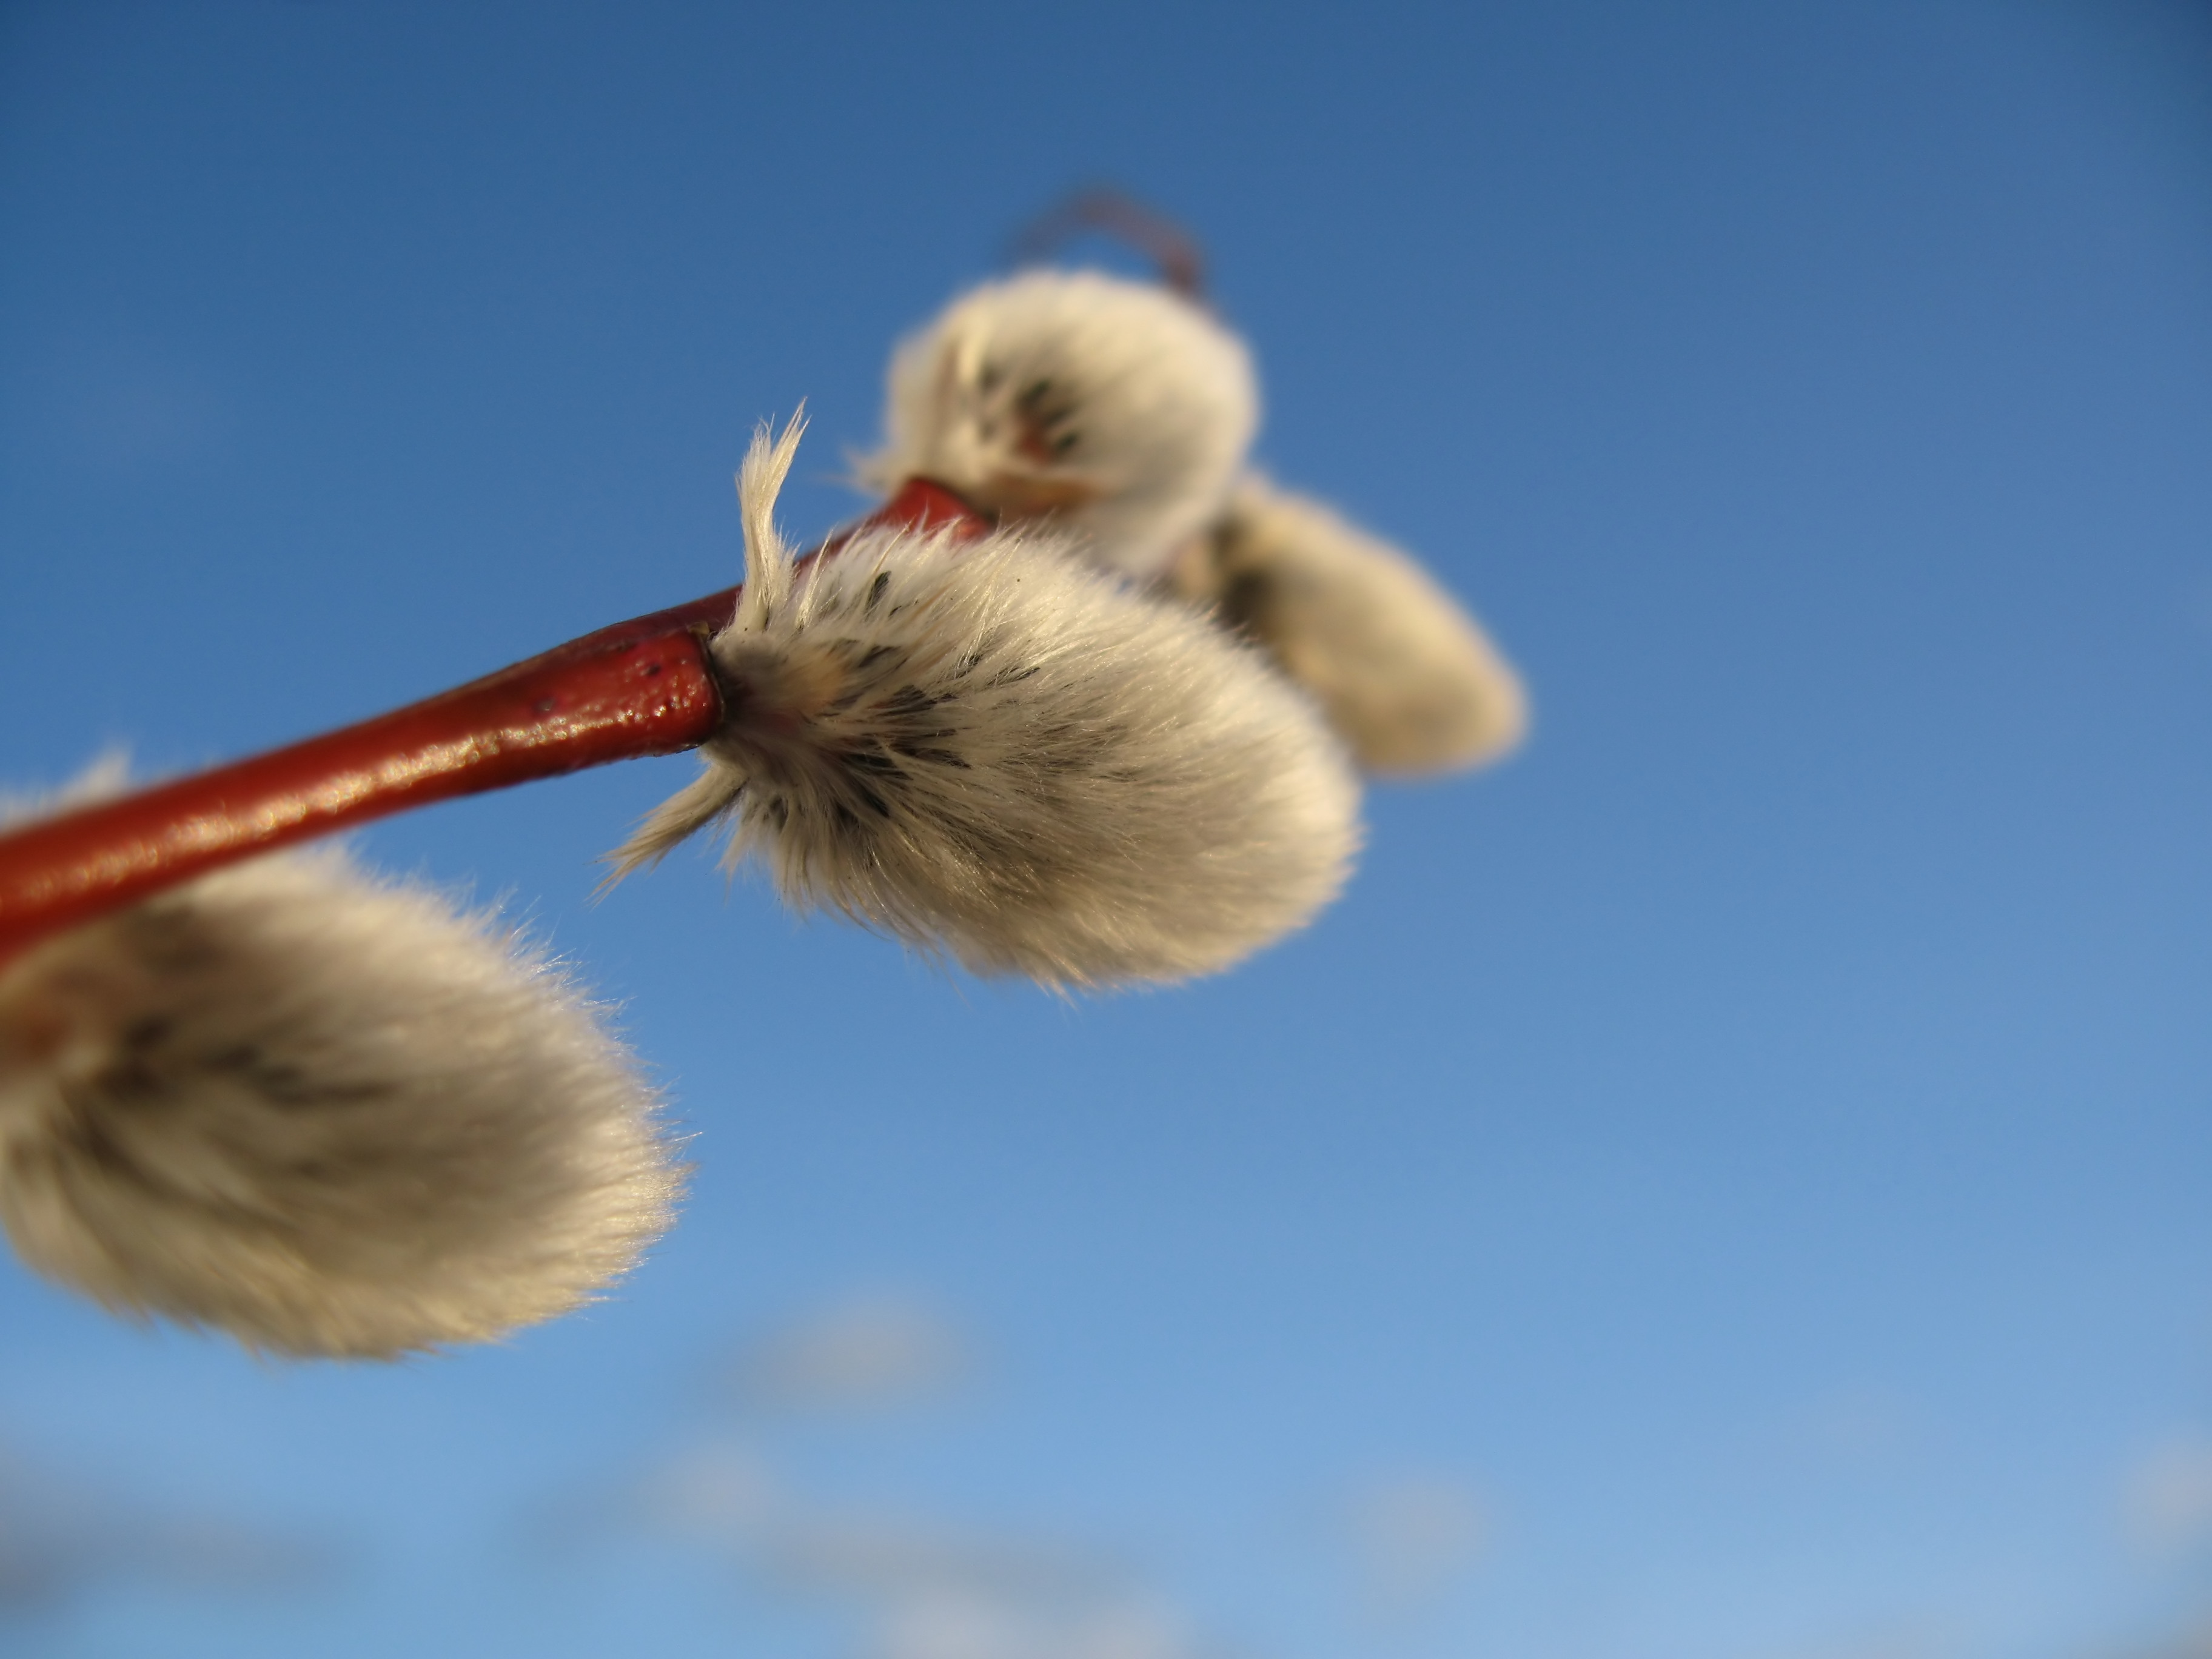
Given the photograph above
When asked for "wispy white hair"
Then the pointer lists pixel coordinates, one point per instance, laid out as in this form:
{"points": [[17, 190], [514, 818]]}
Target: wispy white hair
{"points": [[1406, 676], [1117, 410], [994, 751], [323, 1112]]}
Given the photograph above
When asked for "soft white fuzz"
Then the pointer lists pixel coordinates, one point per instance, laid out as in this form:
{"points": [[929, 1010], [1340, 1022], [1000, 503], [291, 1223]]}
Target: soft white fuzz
{"points": [[322, 1112], [992, 750], [1117, 410], [1408, 678]]}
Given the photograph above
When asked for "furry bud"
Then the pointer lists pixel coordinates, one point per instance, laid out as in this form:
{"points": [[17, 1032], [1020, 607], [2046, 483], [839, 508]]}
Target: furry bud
{"points": [[1118, 411], [1408, 678], [321, 1112], [993, 749]]}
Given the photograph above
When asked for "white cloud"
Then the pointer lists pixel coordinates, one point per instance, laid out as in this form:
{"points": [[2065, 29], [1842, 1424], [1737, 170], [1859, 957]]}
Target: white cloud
{"points": [[1415, 1538], [918, 1586], [61, 1538], [957, 1627], [867, 1354], [2167, 1500], [912, 1583]]}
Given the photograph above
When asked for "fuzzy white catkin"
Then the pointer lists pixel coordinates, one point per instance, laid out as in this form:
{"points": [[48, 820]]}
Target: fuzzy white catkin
{"points": [[1117, 411], [994, 751], [322, 1112], [1406, 676]]}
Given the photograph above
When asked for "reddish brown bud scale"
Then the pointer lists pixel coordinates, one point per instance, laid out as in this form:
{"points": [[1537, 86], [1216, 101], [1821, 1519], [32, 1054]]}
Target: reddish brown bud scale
{"points": [[643, 687]]}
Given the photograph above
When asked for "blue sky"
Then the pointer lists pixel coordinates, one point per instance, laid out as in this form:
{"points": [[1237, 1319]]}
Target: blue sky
{"points": [[1731, 1182]]}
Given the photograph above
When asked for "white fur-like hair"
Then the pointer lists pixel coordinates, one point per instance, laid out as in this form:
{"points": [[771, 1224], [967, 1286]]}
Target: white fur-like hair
{"points": [[1116, 411], [994, 751], [1406, 676], [322, 1112]]}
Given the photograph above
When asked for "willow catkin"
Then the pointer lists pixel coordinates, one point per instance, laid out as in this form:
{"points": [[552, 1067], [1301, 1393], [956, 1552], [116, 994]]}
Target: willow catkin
{"points": [[323, 1112], [1408, 680], [994, 751], [1118, 412]]}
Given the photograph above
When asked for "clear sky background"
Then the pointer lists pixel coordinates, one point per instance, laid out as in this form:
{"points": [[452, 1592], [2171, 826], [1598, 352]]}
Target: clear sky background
{"points": [[1735, 1182]]}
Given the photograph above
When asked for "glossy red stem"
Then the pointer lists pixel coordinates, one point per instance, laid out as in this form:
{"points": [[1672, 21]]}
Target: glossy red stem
{"points": [[642, 687]]}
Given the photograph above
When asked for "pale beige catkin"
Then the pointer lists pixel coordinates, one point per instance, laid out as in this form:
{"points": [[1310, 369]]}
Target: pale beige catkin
{"points": [[1116, 412], [1408, 678], [996, 752], [325, 1112]]}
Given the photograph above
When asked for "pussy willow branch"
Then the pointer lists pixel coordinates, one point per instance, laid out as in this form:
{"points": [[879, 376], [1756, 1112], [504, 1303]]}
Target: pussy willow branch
{"points": [[642, 687]]}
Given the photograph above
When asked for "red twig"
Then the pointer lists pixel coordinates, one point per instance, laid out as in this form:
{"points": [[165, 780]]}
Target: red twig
{"points": [[1172, 249], [643, 687]]}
